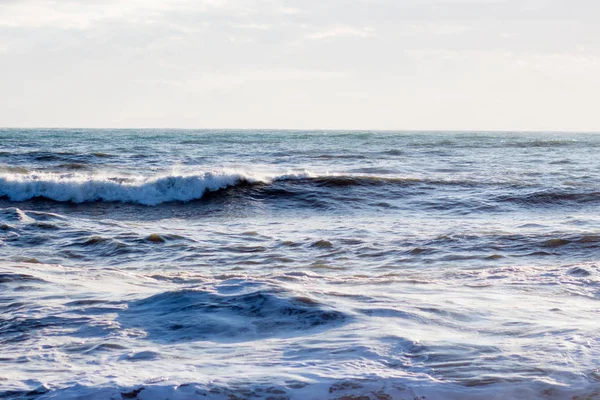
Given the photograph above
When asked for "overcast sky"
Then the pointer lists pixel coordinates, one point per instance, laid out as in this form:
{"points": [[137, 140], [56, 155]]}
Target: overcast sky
{"points": [[345, 64]]}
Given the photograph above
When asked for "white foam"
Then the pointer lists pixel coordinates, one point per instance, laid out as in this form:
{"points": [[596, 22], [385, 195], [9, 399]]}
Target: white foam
{"points": [[398, 388], [80, 188]]}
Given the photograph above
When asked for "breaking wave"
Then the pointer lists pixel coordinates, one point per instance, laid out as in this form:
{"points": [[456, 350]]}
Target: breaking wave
{"points": [[80, 188]]}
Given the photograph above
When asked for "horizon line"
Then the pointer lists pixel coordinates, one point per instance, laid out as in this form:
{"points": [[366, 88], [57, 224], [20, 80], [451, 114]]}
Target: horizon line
{"points": [[421, 130]]}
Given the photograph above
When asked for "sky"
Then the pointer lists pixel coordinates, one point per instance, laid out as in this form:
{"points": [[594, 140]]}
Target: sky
{"points": [[309, 64]]}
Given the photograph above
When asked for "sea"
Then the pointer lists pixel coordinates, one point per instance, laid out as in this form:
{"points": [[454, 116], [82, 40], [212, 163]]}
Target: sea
{"points": [[268, 264]]}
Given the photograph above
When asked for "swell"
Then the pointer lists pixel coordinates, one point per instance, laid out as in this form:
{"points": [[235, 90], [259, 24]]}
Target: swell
{"points": [[154, 190], [554, 196], [46, 158], [192, 315], [82, 188]]}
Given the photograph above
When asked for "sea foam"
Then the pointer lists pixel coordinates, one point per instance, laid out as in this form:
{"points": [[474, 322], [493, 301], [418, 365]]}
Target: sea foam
{"points": [[81, 188]]}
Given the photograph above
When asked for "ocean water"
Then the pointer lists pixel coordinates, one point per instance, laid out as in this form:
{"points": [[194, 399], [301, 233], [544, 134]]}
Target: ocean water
{"points": [[159, 264]]}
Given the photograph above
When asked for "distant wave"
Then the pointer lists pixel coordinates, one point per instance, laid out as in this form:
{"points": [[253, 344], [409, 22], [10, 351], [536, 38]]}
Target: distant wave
{"points": [[551, 197]]}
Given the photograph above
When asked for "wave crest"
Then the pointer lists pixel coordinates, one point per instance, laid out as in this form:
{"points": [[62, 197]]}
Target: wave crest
{"points": [[79, 188]]}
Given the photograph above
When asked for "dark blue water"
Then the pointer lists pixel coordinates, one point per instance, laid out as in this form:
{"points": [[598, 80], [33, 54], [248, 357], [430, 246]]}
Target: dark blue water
{"points": [[293, 264]]}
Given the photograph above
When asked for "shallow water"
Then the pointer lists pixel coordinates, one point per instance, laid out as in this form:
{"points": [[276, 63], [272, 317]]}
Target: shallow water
{"points": [[281, 264]]}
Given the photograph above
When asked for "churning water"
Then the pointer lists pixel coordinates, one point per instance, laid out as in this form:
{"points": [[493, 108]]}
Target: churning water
{"points": [[162, 264]]}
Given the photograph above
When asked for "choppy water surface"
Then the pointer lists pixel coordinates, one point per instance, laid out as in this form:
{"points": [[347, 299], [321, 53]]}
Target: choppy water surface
{"points": [[302, 265]]}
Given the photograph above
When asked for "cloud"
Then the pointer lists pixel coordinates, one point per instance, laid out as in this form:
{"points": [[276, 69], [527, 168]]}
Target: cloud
{"points": [[562, 66], [253, 26], [70, 14], [230, 55], [289, 10], [228, 80], [434, 28], [341, 31]]}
